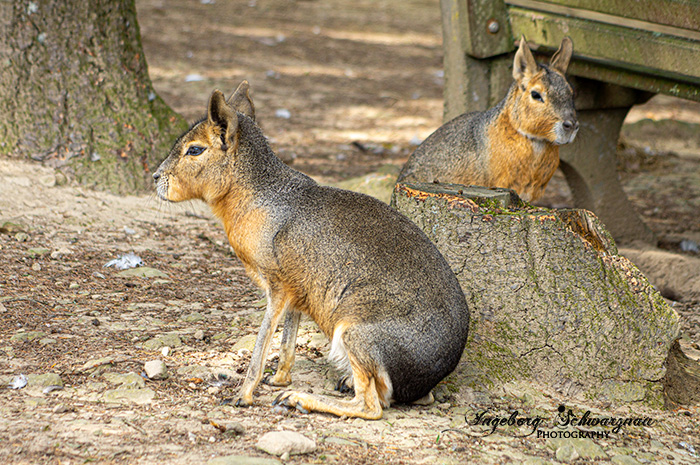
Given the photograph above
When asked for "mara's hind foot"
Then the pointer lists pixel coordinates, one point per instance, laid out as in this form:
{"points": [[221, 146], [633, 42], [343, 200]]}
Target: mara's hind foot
{"points": [[367, 403], [305, 403]]}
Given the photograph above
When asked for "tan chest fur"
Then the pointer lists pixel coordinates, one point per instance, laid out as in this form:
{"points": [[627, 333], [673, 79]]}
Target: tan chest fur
{"points": [[519, 162], [244, 227]]}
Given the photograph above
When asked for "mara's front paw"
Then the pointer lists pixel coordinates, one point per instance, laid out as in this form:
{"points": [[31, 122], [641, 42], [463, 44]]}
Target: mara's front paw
{"points": [[278, 380], [345, 385], [293, 399], [243, 401]]}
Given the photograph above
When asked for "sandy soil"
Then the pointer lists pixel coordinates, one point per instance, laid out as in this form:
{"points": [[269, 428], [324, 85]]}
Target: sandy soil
{"points": [[342, 89]]}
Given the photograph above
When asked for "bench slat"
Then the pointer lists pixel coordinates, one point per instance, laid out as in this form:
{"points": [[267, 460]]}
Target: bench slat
{"points": [[676, 13], [604, 18], [606, 46]]}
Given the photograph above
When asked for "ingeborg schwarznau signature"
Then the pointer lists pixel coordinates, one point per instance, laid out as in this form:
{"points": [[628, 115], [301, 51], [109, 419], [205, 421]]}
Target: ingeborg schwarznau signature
{"points": [[559, 426]]}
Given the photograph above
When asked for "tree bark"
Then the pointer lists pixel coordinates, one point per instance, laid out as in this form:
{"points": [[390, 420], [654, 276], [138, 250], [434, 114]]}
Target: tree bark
{"points": [[682, 382], [550, 298], [75, 92]]}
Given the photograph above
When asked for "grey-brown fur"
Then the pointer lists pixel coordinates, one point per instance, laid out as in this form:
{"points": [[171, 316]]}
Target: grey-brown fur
{"points": [[362, 271], [459, 143]]}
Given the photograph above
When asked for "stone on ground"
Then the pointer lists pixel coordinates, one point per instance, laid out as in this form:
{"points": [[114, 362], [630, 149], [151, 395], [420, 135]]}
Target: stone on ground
{"points": [[156, 369], [289, 442]]}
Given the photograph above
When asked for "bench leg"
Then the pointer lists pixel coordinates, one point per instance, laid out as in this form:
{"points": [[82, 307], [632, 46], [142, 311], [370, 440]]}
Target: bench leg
{"points": [[590, 167]]}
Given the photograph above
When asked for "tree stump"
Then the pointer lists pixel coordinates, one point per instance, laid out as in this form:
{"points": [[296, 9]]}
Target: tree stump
{"points": [[550, 298]]}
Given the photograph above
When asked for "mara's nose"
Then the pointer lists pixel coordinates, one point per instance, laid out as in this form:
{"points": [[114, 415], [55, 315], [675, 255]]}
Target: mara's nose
{"points": [[156, 176], [569, 125]]}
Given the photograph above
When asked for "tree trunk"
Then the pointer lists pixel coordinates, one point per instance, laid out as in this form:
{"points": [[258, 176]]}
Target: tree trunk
{"points": [[75, 92], [551, 300]]}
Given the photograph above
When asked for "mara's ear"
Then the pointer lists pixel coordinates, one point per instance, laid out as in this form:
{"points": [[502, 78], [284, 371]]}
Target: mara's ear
{"points": [[524, 65], [222, 115], [241, 101], [560, 60]]}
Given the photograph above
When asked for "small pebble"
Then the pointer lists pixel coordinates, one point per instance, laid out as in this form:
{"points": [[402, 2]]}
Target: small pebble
{"points": [[156, 369], [18, 382], [62, 408], [233, 428], [53, 387]]}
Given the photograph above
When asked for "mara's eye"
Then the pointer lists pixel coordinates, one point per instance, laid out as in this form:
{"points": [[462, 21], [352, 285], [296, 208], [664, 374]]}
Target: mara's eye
{"points": [[536, 96], [195, 150]]}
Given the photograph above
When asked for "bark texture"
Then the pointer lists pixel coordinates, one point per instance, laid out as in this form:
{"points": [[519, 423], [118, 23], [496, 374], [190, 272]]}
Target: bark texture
{"points": [[550, 298], [75, 92], [682, 383]]}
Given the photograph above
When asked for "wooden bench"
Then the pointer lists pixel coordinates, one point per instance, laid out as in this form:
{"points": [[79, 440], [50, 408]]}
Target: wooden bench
{"points": [[624, 53]]}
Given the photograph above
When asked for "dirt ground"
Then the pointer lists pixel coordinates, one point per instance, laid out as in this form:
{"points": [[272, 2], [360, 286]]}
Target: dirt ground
{"points": [[342, 89]]}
